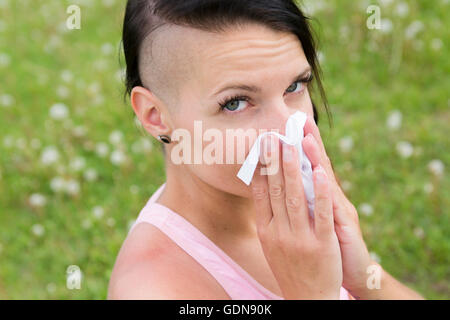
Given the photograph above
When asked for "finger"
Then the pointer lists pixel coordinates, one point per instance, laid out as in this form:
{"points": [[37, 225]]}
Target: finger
{"points": [[317, 156], [275, 181], [296, 204], [312, 150], [261, 199], [323, 207], [311, 127]]}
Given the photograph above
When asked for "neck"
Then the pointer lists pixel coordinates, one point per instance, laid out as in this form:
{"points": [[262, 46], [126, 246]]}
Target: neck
{"points": [[216, 213]]}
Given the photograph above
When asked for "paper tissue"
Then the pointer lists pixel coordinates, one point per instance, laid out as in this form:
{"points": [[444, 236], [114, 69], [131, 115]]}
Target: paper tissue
{"points": [[294, 136]]}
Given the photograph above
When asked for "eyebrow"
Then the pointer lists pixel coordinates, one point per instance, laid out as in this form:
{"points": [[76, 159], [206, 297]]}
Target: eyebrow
{"points": [[256, 89]]}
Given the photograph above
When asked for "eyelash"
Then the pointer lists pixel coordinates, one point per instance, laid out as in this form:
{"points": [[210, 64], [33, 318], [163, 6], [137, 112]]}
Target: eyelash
{"points": [[223, 103]]}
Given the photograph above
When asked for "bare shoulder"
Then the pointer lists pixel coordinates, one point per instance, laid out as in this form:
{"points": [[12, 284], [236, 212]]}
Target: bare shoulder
{"points": [[151, 266]]}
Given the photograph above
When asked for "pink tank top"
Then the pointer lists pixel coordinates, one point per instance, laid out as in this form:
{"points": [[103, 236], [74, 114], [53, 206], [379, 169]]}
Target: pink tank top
{"points": [[236, 282]]}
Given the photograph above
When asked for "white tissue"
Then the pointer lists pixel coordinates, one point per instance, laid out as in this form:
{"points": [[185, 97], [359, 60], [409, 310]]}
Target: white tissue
{"points": [[294, 137]]}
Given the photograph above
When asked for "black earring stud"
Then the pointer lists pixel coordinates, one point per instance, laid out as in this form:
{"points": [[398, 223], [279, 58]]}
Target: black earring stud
{"points": [[164, 138]]}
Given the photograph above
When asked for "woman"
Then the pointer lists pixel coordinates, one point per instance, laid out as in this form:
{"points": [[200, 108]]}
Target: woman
{"points": [[235, 65]]}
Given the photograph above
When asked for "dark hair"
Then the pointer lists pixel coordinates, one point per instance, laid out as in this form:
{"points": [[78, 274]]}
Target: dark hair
{"points": [[142, 17]]}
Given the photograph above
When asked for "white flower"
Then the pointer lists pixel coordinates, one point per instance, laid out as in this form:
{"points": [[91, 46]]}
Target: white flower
{"points": [[72, 187], [436, 44], [310, 7], [402, 9], [5, 60], [117, 157], [394, 120], [110, 222], [62, 91], [8, 141], [100, 64], [90, 175], [346, 185], [94, 88], [58, 184], [59, 111], [107, 48], [102, 149], [49, 155], [66, 76], [35, 143], [6, 100], [142, 145], [428, 188], [120, 75], [115, 137], [386, 25], [79, 131], [385, 3], [37, 200], [38, 230], [419, 233], [4, 4], [78, 164], [108, 3], [137, 122], [321, 56], [98, 212], [86, 223], [347, 166], [405, 149], [346, 144], [366, 209], [375, 257], [134, 189], [21, 143], [436, 167], [414, 28], [51, 287]]}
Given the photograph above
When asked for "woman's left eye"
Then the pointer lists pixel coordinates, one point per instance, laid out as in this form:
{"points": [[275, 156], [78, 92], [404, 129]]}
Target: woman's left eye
{"points": [[295, 87]]}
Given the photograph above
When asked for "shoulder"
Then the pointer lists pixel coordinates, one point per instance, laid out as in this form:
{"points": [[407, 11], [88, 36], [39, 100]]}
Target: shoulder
{"points": [[151, 266]]}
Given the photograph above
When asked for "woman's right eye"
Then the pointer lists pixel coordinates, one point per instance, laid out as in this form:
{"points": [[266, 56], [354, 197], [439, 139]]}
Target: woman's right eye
{"points": [[234, 105]]}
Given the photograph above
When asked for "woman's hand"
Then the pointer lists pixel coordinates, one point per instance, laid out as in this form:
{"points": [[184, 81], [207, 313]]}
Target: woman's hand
{"points": [[355, 256], [304, 256]]}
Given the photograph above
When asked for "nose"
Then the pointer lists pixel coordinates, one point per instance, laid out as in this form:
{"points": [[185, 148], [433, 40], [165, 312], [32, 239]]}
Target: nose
{"points": [[277, 117]]}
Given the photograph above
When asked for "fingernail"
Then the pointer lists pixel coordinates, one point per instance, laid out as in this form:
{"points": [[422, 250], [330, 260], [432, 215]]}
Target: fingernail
{"points": [[287, 152], [309, 136], [320, 174]]}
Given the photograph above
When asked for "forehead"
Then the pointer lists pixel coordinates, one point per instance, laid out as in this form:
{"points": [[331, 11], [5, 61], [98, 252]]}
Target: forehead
{"points": [[243, 53], [252, 51]]}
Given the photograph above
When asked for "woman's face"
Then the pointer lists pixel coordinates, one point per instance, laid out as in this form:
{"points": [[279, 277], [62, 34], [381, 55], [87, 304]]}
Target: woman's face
{"points": [[263, 68]]}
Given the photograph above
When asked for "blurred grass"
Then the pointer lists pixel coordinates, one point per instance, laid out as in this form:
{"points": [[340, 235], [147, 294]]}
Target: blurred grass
{"points": [[368, 74]]}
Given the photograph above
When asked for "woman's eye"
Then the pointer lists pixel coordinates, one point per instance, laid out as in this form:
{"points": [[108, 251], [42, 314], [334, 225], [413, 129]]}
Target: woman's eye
{"points": [[235, 105], [295, 87]]}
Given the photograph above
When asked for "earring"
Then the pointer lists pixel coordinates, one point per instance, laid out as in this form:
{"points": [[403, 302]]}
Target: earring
{"points": [[164, 138]]}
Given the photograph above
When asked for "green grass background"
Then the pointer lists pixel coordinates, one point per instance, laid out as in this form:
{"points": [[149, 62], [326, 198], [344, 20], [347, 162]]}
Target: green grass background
{"points": [[368, 74]]}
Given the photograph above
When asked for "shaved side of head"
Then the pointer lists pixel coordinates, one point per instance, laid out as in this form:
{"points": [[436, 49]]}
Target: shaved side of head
{"points": [[165, 63]]}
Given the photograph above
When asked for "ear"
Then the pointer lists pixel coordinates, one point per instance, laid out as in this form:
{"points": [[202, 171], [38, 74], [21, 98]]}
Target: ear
{"points": [[149, 111]]}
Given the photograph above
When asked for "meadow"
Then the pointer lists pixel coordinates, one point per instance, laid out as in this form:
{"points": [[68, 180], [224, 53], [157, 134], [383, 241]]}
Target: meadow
{"points": [[76, 167]]}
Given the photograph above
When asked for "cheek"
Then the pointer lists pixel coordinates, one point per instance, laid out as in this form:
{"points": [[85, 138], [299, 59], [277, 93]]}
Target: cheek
{"points": [[306, 104], [223, 177]]}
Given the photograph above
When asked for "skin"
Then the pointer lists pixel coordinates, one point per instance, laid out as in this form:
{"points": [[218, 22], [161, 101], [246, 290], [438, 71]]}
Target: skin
{"points": [[214, 200]]}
